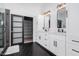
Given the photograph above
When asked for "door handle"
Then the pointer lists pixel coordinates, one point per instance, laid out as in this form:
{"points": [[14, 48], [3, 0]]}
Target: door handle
{"points": [[40, 37], [55, 43]]}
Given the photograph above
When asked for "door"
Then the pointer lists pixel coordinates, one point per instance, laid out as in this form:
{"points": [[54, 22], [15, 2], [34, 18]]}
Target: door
{"points": [[7, 27], [28, 29], [16, 29], [1, 29]]}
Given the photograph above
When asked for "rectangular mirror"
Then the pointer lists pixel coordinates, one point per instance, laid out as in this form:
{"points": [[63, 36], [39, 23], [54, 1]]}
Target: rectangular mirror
{"points": [[61, 17]]}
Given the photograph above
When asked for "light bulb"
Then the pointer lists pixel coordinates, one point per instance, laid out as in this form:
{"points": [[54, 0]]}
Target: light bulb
{"points": [[1, 22]]}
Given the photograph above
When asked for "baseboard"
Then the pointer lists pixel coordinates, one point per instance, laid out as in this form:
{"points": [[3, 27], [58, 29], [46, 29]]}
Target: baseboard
{"points": [[52, 54]]}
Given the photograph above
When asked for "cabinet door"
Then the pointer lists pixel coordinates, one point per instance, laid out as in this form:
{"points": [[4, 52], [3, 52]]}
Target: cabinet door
{"points": [[61, 46], [72, 46], [45, 41], [57, 44], [73, 29], [41, 37], [52, 43], [73, 50]]}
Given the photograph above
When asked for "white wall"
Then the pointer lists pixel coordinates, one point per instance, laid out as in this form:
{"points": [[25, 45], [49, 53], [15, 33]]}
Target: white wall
{"points": [[1, 5], [26, 9]]}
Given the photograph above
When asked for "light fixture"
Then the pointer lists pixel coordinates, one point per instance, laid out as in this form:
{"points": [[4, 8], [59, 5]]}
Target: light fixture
{"points": [[1, 22], [46, 13], [61, 6]]}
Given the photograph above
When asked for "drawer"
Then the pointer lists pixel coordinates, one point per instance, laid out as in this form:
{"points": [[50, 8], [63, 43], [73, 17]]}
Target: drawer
{"points": [[61, 47], [41, 38], [76, 42], [74, 50]]}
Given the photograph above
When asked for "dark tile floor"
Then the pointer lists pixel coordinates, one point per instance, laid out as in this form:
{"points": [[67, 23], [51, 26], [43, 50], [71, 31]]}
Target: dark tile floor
{"points": [[31, 49]]}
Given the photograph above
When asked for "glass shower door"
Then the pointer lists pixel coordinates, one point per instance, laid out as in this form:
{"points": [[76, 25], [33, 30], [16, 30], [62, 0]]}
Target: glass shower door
{"points": [[1, 29], [17, 29]]}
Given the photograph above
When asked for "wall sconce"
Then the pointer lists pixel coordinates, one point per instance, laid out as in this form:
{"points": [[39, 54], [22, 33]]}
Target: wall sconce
{"points": [[47, 16], [46, 13], [60, 6]]}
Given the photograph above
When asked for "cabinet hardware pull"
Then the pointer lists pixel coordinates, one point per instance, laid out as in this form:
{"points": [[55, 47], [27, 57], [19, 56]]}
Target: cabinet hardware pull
{"points": [[45, 44], [75, 41], [75, 50], [40, 37], [55, 43]]}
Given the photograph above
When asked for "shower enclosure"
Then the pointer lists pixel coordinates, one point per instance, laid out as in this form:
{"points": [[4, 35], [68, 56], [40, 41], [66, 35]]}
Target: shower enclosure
{"points": [[4, 28], [1, 29]]}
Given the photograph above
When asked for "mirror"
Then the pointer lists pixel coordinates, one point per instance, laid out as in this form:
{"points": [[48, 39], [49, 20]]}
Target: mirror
{"points": [[61, 17], [46, 22], [40, 23]]}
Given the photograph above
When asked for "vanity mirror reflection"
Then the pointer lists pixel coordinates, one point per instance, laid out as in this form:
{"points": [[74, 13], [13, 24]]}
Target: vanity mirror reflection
{"points": [[47, 16], [61, 17], [44, 21]]}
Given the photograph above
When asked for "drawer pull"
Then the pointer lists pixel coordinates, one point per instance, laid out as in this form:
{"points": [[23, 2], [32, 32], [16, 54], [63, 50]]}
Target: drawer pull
{"points": [[45, 44], [55, 43], [75, 50], [40, 37], [75, 41]]}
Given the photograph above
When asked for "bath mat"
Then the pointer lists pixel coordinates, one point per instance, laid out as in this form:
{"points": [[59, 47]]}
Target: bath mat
{"points": [[12, 50]]}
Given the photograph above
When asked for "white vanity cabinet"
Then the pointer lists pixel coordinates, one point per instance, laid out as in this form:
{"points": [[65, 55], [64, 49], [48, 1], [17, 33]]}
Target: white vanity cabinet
{"points": [[52, 43], [46, 41], [57, 44], [41, 37], [61, 45]]}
